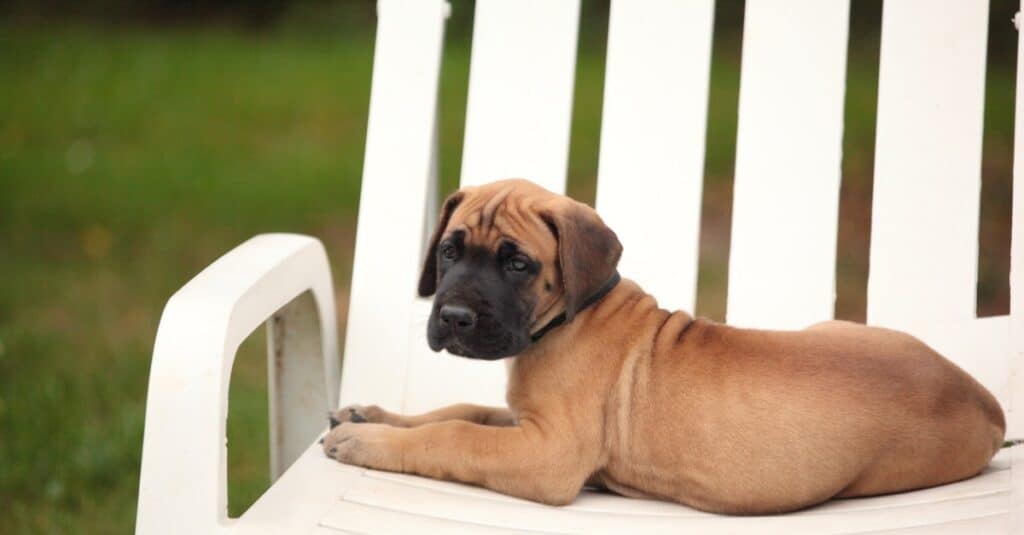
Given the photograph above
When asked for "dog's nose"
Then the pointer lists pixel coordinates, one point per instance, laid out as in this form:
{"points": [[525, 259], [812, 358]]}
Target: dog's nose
{"points": [[457, 317]]}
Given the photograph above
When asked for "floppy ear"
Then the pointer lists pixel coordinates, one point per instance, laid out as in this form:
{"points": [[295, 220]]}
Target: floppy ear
{"points": [[428, 278], [588, 251]]}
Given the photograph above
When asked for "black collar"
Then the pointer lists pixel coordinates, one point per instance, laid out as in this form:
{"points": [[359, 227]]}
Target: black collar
{"points": [[590, 300]]}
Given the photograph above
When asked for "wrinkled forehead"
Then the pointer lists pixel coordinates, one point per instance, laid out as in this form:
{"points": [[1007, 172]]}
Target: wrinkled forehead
{"points": [[489, 219]]}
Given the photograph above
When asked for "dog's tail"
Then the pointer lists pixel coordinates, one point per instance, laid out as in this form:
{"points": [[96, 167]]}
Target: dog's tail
{"points": [[1013, 442]]}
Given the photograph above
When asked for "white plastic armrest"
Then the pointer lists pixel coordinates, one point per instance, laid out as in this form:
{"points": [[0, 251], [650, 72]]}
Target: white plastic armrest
{"points": [[283, 279]]}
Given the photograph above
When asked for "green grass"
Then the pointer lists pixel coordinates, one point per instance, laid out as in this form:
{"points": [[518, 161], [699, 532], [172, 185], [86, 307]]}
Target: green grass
{"points": [[130, 159]]}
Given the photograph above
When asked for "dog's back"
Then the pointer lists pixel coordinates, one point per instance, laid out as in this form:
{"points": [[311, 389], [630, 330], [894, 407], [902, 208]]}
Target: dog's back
{"points": [[768, 421]]}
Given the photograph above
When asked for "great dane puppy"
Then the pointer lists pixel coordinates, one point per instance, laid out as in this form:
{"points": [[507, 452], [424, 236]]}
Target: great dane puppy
{"points": [[609, 390]]}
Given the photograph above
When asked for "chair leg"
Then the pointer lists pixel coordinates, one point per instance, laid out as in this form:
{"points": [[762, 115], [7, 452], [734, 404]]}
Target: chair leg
{"points": [[298, 387]]}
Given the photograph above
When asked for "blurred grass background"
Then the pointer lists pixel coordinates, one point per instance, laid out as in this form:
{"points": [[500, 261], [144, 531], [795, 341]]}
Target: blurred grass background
{"points": [[139, 141]]}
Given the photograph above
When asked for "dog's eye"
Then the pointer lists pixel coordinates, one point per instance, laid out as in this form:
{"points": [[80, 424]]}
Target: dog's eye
{"points": [[449, 252], [516, 264]]}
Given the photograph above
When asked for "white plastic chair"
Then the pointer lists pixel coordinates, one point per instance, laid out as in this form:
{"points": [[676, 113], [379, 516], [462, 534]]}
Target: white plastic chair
{"points": [[922, 271]]}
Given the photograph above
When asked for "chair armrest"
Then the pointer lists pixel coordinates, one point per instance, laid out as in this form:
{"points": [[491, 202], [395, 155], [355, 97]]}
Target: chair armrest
{"points": [[183, 482]]}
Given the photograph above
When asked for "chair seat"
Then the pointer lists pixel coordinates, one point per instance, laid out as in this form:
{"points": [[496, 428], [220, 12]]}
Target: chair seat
{"points": [[319, 495]]}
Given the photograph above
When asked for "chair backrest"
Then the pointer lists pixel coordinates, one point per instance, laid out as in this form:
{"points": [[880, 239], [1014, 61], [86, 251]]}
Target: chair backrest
{"points": [[923, 265]]}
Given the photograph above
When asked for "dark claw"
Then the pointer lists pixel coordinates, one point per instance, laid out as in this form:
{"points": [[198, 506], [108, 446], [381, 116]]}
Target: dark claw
{"points": [[356, 417], [334, 450], [321, 441], [334, 421]]}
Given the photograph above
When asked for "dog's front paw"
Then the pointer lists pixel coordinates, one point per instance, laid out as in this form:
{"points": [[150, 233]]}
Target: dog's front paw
{"points": [[357, 414], [371, 445]]}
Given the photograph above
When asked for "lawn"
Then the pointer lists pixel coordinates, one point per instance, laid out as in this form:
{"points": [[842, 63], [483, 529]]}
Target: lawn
{"points": [[132, 157], [128, 162]]}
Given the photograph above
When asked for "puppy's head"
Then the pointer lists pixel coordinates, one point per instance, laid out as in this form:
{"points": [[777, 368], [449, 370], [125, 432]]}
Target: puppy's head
{"points": [[506, 258]]}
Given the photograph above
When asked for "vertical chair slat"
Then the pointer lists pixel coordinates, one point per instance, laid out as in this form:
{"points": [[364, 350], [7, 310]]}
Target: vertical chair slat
{"points": [[652, 141], [788, 152], [519, 104], [924, 234], [393, 200], [518, 115]]}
